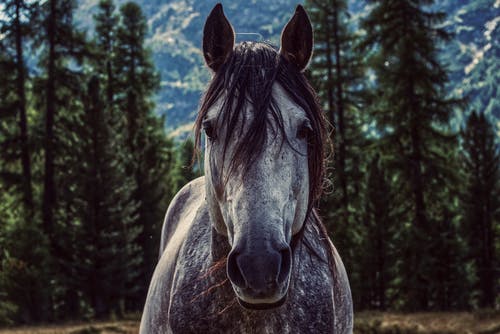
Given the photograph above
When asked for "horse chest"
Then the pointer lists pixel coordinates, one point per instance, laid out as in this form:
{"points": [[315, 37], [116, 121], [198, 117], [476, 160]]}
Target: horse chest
{"points": [[206, 303]]}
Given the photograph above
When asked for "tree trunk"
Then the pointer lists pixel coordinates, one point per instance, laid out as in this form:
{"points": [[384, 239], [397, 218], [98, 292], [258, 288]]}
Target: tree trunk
{"points": [[329, 66], [420, 218], [23, 123], [110, 88], [381, 263], [487, 263], [49, 192], [339, 103]]}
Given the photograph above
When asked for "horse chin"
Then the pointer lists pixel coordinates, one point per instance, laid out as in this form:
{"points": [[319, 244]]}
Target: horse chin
{"points": [[262, 306]]}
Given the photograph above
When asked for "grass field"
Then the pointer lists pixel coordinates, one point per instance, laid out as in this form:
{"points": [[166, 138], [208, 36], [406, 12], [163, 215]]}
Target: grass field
{"points": [[107, 327], [484, 322]]}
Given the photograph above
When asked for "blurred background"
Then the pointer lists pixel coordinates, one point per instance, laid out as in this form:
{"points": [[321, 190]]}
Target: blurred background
{"points": [[97, 103]]}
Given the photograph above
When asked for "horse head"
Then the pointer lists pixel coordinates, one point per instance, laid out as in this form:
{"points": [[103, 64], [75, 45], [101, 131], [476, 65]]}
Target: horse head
{"points": [[263, 152]]}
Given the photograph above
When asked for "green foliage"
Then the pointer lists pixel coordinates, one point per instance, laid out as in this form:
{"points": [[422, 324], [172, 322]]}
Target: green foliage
{"points": [[22, 246], [60, 110], [397, 219], [337, 74], [376, 251], [23, 263], [105, 232], [185, 170], [23, 272], [13, 106], [415, 219], [149, 148], [102, 169], [480, 203], [412, 114], [8, 128]]}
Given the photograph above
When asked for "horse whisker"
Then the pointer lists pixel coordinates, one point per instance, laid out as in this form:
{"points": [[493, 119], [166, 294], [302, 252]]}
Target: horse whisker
{"points": [[227, 307], [209, 290], [215, 267]]}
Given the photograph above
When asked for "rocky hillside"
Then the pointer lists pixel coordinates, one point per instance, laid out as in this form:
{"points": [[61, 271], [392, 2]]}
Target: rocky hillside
{"points": [[473, 55], [175, 39]]}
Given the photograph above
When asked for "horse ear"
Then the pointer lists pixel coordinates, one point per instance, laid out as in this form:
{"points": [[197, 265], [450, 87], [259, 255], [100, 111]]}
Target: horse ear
{"points": [[297, 39], [218, 38]]}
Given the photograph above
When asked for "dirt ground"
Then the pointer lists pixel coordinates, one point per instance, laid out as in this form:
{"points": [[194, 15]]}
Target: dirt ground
{"points": [[108, 327], [483, 322]]}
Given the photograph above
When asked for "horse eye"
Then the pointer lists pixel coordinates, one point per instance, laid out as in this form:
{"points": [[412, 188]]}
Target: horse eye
{"points": [[304, 130], [209, 130]]}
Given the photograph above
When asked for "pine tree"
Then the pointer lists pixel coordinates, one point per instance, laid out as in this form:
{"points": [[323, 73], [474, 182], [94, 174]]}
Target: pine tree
{"points": [[451, 278], [8, 134], [149, 147], [62, 43], [16, 29], [412, 116], [336, 73], [106, 239], [106, 61], [380, 216], [106, 22], [23, 272], [481, 204], [185, 170], [8, 197], [58, 92]]}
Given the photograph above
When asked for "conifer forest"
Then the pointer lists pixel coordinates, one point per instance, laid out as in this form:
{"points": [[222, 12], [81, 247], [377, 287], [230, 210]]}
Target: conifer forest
{"points": [[88, 163]]}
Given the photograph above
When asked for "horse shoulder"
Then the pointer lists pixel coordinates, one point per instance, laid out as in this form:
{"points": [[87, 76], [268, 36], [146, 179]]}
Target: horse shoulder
{"points": [[340, 288], [181, 215], [342, 295], [184, 205]]}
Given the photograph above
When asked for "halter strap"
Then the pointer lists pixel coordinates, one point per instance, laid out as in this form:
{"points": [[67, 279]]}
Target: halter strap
{"points": [[249, 37]]}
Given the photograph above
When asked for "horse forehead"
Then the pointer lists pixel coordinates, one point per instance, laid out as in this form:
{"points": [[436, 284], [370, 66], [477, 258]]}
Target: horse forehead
{"points": [[290, 111]]}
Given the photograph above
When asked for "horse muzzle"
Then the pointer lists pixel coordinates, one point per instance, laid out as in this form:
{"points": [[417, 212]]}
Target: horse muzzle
{"points": [[260, 276]]}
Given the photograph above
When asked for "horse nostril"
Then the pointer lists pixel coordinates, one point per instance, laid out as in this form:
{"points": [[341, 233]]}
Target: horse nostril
{"points": [[286, 261], [234, 271]]}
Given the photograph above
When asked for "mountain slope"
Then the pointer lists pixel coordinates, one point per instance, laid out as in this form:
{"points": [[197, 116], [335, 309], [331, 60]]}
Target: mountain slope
{"points": [[176, 31], [474, 54]]}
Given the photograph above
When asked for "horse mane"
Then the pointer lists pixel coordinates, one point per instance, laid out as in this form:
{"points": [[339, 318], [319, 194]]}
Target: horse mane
{"points": [[248, 76]]}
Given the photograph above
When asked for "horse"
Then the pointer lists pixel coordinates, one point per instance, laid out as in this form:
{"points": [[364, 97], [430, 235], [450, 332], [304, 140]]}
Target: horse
{"points": [[243, 249]]}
